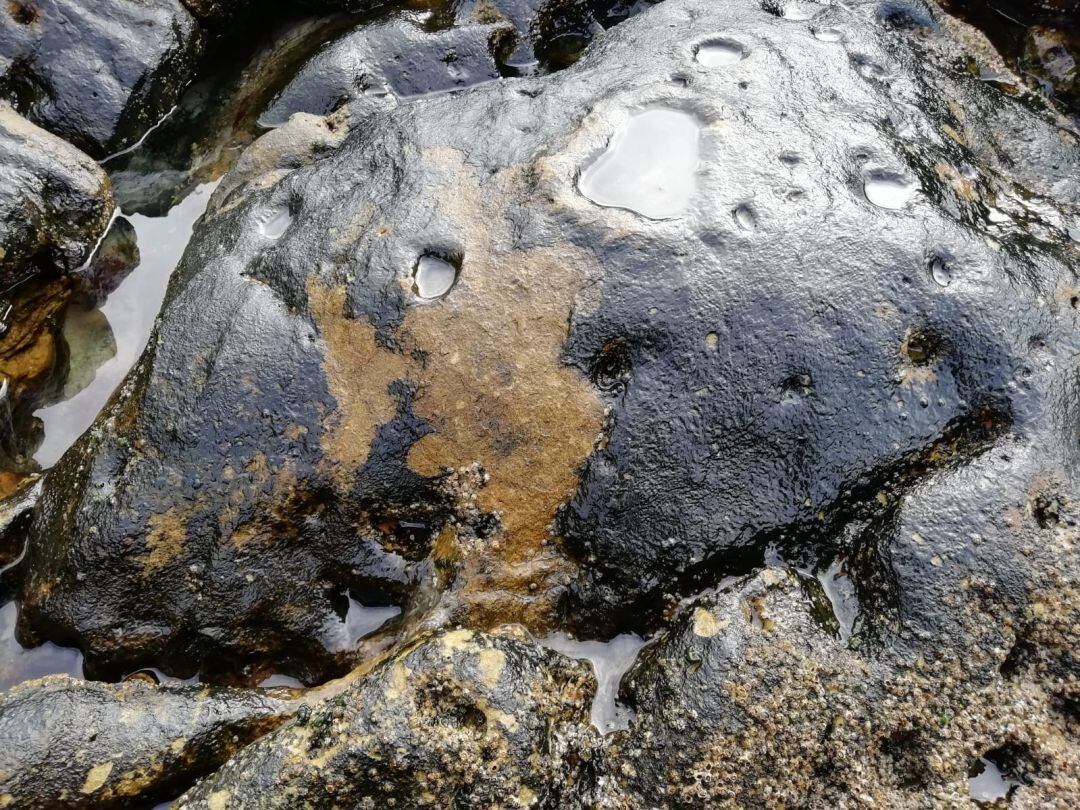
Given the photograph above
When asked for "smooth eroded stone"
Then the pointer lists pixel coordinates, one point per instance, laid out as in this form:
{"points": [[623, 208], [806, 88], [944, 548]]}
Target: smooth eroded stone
{"points": [[73, 743], [98, 73], [54, 201], [399, 57], [455, 719], [606, 412]]}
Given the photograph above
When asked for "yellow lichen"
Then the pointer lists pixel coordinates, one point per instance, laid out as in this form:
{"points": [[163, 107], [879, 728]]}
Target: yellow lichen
{"points": [[492, 662], [706, 625], [96, 777]]}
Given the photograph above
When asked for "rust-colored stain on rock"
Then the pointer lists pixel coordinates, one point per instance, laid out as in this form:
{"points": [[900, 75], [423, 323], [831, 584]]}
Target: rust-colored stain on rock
{"points": [[492, 386]]}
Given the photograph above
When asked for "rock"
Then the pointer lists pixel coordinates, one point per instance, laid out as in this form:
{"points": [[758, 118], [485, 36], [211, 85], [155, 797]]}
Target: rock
{"points": [[54, 202], [747, 701], [785, 322], [15, 511], [99, 74], [216, 117], [1054, 57], [1041, 38], [74, 743], [457, 719], [405, 57], [33, 364], [114, 259], [399, 57]]}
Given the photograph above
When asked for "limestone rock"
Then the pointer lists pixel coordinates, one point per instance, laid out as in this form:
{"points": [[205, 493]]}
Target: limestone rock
{"points": [[456, 719], [644, 377]]}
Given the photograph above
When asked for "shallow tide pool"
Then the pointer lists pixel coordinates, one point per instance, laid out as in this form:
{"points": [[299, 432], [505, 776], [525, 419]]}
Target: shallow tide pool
{"points": [[105, 343]]}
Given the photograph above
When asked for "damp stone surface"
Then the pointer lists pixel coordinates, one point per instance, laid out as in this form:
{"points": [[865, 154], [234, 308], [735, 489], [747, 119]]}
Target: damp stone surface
{"points": [[771, 363]]}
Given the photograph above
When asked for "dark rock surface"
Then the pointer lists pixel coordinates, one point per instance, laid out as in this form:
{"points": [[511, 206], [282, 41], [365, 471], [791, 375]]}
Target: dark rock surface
{"points": [[98, 73], [216, 117], [54, 202], [452, 47], [778, 366], [1039, 39], [398, 57], [456, 719], [73, 743]]}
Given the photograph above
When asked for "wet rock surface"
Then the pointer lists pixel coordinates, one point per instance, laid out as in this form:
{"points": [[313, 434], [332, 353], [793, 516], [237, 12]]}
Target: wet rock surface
{"points": [[1039, 39], [750, 701], [398, 57], [755, 329], [98, 74], [54, 202], [454, 719], [72, 743], [806, 365]]}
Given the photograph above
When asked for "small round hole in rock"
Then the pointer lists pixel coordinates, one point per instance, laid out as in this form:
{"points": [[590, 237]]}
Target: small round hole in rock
{"points": [[433, 277], [922, 347], [719, 53], [22, 13]]}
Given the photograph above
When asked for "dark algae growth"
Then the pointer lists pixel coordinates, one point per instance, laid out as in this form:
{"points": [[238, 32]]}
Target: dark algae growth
{"points": [[584, 404]]}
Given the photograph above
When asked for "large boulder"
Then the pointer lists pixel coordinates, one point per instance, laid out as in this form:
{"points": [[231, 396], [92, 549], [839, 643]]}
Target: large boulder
{"points": [[99, 73], [569, 349], [456, 719], [73, 743], [54, 201]]}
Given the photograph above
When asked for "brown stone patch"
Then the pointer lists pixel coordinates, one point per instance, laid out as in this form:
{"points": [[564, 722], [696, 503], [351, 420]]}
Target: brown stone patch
{"points": [[165, 540], [492, 385], [359, 372]]}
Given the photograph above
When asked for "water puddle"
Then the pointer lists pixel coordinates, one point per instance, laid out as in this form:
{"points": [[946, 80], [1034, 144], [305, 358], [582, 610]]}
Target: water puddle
{"points": [[273, 223], [989, 784], [840, 591], [649, 167], [889, 190], [828, 34], [433, 277], [610, 660], [18, 664], [344, 634], [106, 342], [940, 272], [744, 216], [281, 681], [720, 53]]}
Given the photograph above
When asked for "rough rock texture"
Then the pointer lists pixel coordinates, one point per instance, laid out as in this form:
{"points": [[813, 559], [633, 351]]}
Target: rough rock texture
{"points": [[72, 743], [779, 365], [54, 201], [456, 719], [847, 356], [748, 700], [98, 73]]}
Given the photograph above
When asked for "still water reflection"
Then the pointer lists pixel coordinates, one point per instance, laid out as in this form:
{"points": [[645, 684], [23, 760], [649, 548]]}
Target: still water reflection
{"points": [[105, 343]]}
